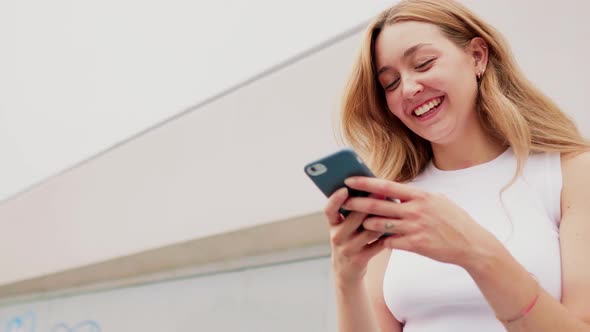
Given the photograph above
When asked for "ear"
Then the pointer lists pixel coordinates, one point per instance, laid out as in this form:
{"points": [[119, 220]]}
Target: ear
{"points": [[478, 50]]}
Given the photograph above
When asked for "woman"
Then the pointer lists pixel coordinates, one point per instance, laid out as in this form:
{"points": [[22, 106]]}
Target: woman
{"points": [[492, 232]]}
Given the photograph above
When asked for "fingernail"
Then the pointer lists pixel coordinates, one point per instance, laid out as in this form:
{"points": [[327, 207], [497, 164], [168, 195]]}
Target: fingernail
{"points": [[343, 192], [349, 181]]}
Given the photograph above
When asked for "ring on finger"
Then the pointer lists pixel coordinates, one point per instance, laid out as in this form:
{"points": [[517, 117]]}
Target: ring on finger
{"points": [[389, 225]]}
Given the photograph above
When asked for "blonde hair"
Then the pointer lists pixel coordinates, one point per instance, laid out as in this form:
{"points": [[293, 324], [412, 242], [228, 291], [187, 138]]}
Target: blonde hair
{"points": [[511, 110]]}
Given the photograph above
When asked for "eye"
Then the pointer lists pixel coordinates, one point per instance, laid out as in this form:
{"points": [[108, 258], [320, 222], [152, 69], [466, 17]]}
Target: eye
{"points": [[392, 85], [423, 65]]}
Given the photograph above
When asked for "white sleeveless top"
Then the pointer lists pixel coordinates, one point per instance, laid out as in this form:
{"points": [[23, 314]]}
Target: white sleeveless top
{"points": [[429, 296]]}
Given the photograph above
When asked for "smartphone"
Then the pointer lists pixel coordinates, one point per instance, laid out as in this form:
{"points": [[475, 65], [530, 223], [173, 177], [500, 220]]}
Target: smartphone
{"points": [[329, 173]]}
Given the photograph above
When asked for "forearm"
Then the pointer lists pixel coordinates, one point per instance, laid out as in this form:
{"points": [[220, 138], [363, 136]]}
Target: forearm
{"points": [[354, 308], [509, 288]]}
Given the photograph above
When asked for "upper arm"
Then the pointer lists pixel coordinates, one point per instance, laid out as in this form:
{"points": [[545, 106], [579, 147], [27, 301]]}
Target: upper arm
{"points": [[575, 234], [374, 282]]}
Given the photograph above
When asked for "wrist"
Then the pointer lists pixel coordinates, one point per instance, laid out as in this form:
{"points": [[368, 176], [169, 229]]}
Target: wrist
{"points": [[345, 283]]}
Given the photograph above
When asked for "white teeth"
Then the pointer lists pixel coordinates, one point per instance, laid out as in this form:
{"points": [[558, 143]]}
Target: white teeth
{"points": [[426, 107]]}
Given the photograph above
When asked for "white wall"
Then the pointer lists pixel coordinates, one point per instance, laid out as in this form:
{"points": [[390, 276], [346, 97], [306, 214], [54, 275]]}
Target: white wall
{"points": [[80, 76], [237, 162], [294, 296], [234, 162]]}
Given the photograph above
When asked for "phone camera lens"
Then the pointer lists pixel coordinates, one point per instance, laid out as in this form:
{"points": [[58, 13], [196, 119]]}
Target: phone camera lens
{"points": [[316, 169]]}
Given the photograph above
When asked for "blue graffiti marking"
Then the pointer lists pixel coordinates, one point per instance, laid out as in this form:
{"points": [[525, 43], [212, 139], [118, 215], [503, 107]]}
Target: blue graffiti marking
{"points": [[27, 323], [22, 323]]}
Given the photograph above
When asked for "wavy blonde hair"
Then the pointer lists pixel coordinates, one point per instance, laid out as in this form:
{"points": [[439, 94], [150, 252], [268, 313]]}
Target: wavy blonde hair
{"points": [[511, 109]]}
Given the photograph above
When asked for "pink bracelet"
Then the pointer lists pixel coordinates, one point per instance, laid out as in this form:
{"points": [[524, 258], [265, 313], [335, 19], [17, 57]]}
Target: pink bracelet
{"points": [[526, 310]]}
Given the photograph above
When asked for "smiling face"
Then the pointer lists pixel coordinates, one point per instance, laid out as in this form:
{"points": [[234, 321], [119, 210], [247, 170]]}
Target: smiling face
{"points": [[429, 82]]}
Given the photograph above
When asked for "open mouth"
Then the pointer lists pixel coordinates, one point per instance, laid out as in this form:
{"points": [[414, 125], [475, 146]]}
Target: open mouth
{"points": [[429, 107]]}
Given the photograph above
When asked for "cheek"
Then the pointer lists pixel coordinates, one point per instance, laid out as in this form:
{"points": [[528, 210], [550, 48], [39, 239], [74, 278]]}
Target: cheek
{"points": [[394, 103], [461, 82], [458, 87], [464, 91], [444, 78], [438, 82]]}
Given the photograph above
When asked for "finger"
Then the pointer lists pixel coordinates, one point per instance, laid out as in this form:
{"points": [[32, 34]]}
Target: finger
{"points": [[375, 206], [364, 238], [383, 187], [387, 225], [344, 211], [357, 243], [351, 225], [332, 209], [340, 234]]}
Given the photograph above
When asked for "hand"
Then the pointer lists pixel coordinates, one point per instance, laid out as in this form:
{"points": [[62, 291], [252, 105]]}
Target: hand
{"points": [[424, 223], [351, 248]]}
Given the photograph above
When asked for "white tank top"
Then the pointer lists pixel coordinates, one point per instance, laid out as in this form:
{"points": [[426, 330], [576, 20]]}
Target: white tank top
{"points": [[428, 296]]}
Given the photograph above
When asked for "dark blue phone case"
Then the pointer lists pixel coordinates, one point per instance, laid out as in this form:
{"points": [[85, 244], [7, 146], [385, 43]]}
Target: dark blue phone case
{"points": [[338, 166]]}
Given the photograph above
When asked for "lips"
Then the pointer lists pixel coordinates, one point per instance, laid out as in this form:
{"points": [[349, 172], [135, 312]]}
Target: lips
{"points": [[427, 106], [430, 113]]}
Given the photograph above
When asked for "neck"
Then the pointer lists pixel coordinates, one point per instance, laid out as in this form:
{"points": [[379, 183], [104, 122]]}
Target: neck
{"points": [[471, 149]]}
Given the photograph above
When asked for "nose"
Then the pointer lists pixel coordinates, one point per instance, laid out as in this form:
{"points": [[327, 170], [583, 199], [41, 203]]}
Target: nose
{"points": [[410, 87]]}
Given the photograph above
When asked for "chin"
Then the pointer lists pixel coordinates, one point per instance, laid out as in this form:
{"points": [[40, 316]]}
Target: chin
{"points": [[439, 138]]}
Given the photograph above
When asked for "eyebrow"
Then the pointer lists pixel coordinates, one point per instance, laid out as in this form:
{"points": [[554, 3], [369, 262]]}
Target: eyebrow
{"points": [[406, 54]]}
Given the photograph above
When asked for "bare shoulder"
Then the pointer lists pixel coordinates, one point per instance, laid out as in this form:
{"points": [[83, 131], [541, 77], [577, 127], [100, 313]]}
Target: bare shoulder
{"points": [[573, 160], [576, 181], [576, 177], [574, 233], [574, 168]]}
